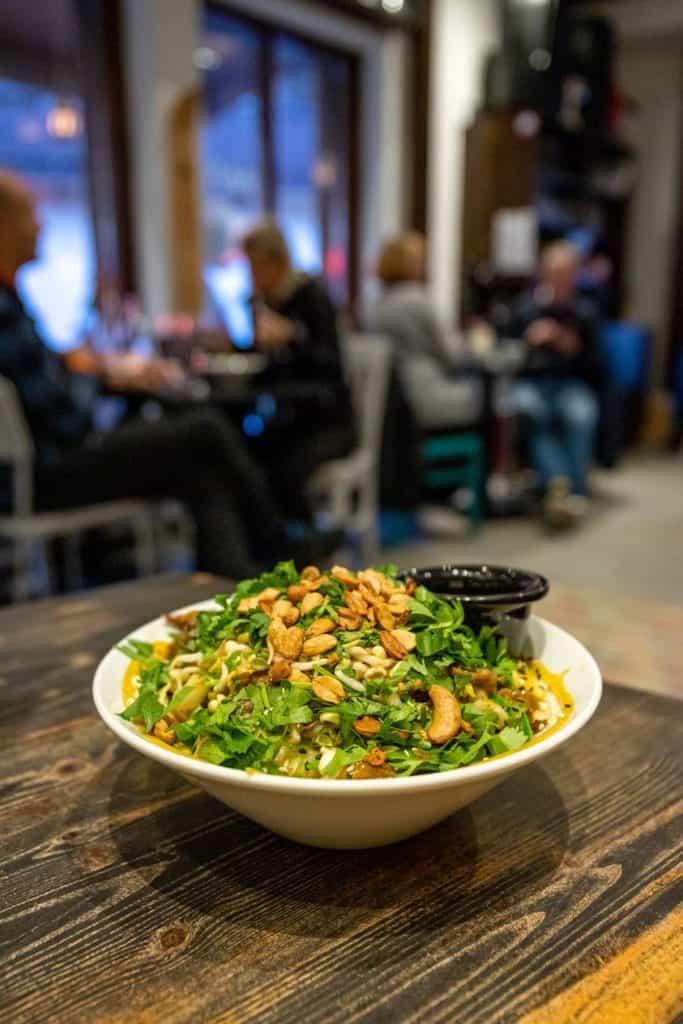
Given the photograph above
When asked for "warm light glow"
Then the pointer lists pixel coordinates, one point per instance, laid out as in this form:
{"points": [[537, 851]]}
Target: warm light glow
{"points": [[64, 121], [393, 6]]}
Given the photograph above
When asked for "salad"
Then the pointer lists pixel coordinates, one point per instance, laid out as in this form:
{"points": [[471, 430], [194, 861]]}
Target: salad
{"points": [[337, 675]]}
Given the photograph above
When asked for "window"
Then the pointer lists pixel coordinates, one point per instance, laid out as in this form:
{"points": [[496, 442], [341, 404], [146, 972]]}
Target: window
{"points": [[58, 130], [42, 138], [275, 139]]}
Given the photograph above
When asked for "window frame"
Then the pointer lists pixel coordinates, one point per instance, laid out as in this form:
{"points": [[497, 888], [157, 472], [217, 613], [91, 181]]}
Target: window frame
{"points": [[267, 30]]}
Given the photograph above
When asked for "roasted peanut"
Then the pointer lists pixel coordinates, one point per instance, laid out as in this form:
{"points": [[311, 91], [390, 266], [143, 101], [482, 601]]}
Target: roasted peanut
{"points": [[410, 586], [321, 626], [369, 596], [405, 637], [392, 645], [319, 645], [279, 670], [399, 603], [297, 676], [286, 611], [384, 617], [344, 576], [287, 642], [349, 620], [356, 602], [447, 718], [311, 572], [372, 579], [375, 757], [311, 601], [328, 689], [367, 726], [297, 592]]}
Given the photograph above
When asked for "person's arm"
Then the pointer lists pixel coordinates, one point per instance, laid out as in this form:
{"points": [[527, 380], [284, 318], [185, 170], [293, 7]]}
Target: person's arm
{"points": [[307, 332], [55, 402], [316, 337]]}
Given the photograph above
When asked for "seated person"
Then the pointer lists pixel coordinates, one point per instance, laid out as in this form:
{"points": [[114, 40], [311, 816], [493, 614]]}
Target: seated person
{"points": [[196, 457], [553, 397], [295, 325], [428, 363]]}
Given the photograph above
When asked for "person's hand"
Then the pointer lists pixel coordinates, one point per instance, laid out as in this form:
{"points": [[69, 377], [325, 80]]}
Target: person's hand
{"points": [[543, 331], [132, 372], [272, 331]]}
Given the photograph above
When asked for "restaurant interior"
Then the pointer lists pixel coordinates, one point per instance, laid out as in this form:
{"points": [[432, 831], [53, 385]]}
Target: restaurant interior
{"points": [[344, 284]]}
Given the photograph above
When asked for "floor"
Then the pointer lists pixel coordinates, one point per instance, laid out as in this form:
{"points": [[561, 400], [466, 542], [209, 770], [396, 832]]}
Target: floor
{"points": [[619, 576]]}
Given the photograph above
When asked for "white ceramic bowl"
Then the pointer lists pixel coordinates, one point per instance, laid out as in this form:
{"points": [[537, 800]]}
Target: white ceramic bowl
{"points": [[354, 815]]}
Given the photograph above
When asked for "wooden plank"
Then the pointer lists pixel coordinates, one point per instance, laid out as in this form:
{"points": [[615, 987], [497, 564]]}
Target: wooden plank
{"points": [[128, 896]]}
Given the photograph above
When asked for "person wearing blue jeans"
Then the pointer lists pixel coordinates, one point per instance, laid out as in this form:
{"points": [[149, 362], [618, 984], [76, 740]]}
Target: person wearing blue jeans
{"points": [[560, 417], [553, 398]]}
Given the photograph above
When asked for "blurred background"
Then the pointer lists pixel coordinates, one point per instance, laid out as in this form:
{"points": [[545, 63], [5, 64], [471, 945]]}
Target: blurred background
{"points": [[372, 280]]}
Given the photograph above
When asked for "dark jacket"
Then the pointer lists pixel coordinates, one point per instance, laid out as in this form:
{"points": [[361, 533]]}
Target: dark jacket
{"points": [[312, 362], [57, 404], [545, 360]]}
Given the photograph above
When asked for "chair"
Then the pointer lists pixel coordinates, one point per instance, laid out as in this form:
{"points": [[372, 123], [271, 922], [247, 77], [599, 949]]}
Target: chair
{"points": [[28, 531], [346, 491], [449, 411]]}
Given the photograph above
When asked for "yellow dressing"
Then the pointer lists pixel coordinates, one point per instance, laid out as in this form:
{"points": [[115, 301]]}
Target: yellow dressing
{"points": [[129, 688], [553, 680], [555, 683], [129, 691]]}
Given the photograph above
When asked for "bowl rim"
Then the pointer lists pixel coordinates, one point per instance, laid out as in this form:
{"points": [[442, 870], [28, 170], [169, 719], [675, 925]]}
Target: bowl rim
{"points": [[481, 771], [502, 597]]}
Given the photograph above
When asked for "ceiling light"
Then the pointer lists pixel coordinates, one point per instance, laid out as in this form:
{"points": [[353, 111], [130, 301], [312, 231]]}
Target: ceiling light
{"points": [[64, 121], [393, 6]]}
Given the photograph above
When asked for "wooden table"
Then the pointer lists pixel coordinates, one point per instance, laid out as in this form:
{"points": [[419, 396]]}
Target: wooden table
{"points": [[128, 896]]}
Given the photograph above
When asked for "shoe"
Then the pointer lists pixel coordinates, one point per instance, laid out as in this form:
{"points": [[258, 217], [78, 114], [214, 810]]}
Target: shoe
{"points": [[562, 509]]}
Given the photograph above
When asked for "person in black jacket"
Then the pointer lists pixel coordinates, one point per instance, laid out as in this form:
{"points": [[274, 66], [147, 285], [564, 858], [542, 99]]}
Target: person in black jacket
{"points": [[554, 397], [197, 457], [295, 325]]}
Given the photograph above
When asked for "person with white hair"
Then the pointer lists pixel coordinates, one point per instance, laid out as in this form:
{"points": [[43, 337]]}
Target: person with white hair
{"points": [[554, 396]]}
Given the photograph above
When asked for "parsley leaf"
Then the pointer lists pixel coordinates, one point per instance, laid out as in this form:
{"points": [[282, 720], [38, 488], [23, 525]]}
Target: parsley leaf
{"points": [[147, 707]]}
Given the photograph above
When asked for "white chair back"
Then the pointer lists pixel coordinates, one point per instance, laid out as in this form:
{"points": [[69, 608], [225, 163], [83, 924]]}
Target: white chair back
{"points": [[16, 447], [367, 361]]}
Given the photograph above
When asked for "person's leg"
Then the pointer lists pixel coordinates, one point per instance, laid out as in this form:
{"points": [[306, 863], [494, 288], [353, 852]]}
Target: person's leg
{"points": [[532, 403], [198, 458], [191, 458], [293, 457], [576, 410]]}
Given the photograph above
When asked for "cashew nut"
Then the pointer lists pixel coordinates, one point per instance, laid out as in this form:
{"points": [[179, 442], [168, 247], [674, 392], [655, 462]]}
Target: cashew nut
{"points": [[447, 717]]}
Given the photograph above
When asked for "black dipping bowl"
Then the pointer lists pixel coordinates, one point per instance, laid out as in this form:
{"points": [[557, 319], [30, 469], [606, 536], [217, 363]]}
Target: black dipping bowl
{"points": [[490, 595]]}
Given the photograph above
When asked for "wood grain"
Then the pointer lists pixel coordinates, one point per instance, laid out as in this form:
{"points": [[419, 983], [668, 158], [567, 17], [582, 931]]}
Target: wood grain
{"points": [[128, 897]]}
